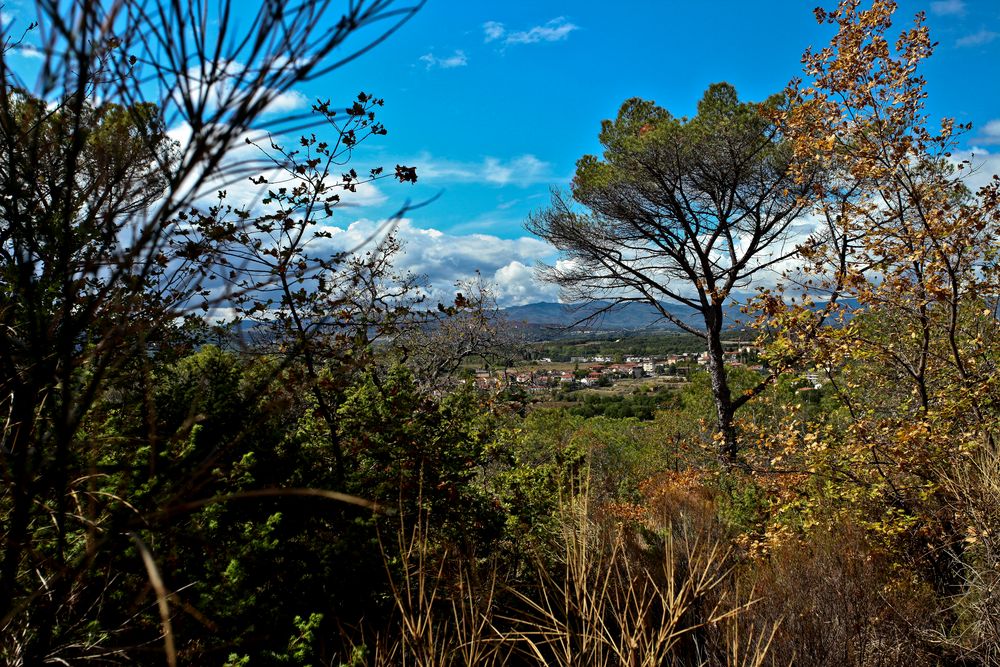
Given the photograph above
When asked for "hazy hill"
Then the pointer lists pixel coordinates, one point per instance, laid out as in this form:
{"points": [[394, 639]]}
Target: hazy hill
{"points": [[627, 316]]}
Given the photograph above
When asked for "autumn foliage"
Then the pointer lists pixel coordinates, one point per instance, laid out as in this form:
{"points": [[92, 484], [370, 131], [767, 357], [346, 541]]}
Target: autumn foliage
{"points": [[320, 480]]}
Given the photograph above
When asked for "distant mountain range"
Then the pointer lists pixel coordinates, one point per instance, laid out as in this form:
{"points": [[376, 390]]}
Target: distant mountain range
{"points": [[629, 316]]}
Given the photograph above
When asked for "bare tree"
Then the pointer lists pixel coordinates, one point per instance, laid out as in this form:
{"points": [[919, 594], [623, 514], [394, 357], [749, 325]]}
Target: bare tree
{"points": [[679, 210], [437, 343]]}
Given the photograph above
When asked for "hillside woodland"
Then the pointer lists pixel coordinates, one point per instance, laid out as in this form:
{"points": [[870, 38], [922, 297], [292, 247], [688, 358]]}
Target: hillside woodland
{"points": [[227, 441]]}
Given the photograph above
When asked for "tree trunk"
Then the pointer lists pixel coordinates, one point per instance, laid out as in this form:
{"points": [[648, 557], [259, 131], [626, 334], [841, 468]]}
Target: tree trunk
{"points": [[721, 393]]}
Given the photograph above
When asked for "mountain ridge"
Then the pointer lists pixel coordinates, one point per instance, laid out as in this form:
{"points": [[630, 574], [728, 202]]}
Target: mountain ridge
{"points": [[632, 315]]}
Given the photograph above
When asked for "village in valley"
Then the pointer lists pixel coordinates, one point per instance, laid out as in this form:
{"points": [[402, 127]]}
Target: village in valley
{"points": [[613, 373]]}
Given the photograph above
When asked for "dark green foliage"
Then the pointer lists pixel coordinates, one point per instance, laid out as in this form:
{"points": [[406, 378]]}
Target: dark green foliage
{"points": [[411, 452], [742, 503], [541, 462], [621, 406], [618, 346]]}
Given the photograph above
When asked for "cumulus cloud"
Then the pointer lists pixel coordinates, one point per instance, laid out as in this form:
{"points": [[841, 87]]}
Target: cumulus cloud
{"points": [[556, 30], [516, 284], [521, 171], [948, 7], [290, 100], [457, 59], [444, 258], [242, 192], [983, 165], [218, 87], [989, 134], [983, 36]]}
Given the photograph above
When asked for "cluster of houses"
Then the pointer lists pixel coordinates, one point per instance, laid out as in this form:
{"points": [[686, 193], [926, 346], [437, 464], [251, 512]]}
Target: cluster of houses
{"points": [[599, 371], [545, 379]]}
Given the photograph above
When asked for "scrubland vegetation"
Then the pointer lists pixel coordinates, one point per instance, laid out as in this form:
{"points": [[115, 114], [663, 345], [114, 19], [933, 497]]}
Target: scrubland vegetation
{"points": [[314, 485]]}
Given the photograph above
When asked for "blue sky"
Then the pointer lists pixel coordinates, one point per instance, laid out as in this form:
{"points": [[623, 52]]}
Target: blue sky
{"points": [[494, 103]]}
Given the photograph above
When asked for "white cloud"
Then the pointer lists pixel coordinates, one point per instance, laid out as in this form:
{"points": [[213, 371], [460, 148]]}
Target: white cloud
{"points": [[556, 30], [983, 166], [290, 100], [28, 51], [989, 134], [983, 36], [517, 284], [218, 87], [457, 59], [492, 31], [522, 171], [241, 192], [948, 7], [445, 258]]}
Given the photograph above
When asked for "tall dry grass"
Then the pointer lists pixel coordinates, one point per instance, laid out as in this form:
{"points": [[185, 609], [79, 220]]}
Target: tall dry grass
{"points": [[605, 593], [443, 605], [974, 631], [612, 600]]}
